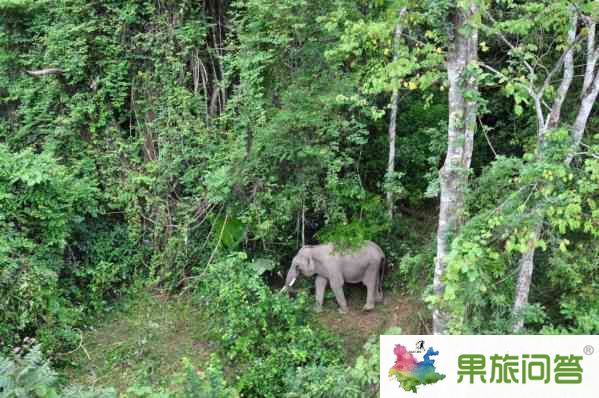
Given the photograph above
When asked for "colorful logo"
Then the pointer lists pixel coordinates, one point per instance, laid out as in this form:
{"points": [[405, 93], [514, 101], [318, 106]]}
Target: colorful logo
{"points": [[409, 372]]}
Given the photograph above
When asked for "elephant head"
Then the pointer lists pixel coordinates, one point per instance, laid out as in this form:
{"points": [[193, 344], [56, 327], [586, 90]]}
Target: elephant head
{"points": [[301, 263]]}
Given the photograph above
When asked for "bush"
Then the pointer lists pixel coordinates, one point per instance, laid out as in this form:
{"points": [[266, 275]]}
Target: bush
{"points": [[107, 261], [60, 260], [322, 382], [359, 381], [41, 204], [370, 223], [262, 334], [192, 383], [25, 374]]}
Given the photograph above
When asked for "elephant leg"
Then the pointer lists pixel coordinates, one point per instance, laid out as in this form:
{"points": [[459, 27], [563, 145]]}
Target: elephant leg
{"points": [[321, 284], [338, 290], [370, 293], [379, 291]]}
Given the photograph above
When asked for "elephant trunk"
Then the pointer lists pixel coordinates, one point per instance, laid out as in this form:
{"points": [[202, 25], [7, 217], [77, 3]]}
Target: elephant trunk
{"points": [[291, 277]]}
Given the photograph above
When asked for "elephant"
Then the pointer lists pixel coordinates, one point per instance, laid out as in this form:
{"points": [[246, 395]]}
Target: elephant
{"points": [[364, 264]]}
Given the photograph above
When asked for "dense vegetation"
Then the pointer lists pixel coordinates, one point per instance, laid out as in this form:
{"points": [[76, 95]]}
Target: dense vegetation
{"points": [[194, 146]]}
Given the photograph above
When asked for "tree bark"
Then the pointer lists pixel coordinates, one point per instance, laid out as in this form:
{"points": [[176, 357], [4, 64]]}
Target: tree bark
{"points": [[580, 124], [555, 114], [393, 117], [462, 53], [45, 72], [526, 266]]}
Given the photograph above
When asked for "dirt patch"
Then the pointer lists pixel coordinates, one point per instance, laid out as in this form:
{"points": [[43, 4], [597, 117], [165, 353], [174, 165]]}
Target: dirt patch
{"points": [[357, 326]]}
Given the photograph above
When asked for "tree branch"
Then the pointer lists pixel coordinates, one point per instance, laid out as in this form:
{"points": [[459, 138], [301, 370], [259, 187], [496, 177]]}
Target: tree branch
{"points": [[45, 72], [509, 44], [568, 61]]}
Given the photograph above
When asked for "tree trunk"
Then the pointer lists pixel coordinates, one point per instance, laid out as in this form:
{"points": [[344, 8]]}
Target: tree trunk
{"points": [[580, 124], [526, 262], [453, 176], [589, 95], [393, 117], [391, 161], [526, 266]]}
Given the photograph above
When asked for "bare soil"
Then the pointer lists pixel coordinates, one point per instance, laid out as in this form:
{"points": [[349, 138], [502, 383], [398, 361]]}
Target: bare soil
{"points": [[355, 327]]}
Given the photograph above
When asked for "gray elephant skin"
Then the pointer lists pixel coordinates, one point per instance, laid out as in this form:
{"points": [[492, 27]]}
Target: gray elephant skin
{"points": [[332, 267]]}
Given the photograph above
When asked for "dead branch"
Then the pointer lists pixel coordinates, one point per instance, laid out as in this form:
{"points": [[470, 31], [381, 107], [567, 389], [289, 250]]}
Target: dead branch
{"points": [[45, 72]]}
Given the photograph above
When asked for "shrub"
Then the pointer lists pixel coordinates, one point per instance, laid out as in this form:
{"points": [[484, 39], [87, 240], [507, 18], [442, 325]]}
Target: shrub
{"points": [[42, 204], [369, 223], [263, 334], [359, 381], [192, 383], [25, 374], [60, 260]]}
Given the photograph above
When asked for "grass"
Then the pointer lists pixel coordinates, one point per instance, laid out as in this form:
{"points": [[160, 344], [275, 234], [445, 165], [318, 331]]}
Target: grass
{"points": [[142, 343]]}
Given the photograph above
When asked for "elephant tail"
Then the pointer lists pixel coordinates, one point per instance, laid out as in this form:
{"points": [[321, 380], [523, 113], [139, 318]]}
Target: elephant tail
{"points": [[380, 278]]}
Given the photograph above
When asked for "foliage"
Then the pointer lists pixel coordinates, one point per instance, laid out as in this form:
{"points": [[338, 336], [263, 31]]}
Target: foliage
{"points": [[297, 153], [201, 128], [360, 380], [42, 207], [209, 383], [95, 192], [510, 197], [25, 374], [263, 333], [369, 223], [173, 133]]}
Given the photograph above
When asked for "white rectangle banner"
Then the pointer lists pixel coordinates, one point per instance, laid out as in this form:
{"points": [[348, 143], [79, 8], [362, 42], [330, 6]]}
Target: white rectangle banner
{"points": [[489, 366]]}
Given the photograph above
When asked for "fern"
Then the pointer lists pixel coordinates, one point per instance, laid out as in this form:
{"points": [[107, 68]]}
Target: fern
{"points": [[26, 374]]}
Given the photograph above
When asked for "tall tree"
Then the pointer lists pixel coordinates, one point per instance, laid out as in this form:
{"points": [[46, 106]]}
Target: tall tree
{"points": [[544, 124], [393, 105], [590, 89], [462, 58]]}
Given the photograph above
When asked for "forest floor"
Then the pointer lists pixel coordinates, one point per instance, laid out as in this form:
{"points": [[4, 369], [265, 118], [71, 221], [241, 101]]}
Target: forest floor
{"points": [[357, 326], [144, 341]]}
